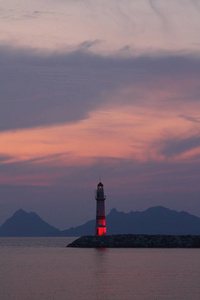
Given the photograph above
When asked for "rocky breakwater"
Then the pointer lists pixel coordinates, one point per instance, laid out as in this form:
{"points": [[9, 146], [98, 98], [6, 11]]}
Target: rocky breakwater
{"points": [[137, 241]]}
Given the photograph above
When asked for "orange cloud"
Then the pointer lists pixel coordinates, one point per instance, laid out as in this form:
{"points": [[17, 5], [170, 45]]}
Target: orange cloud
{"points": [[126, 132]]}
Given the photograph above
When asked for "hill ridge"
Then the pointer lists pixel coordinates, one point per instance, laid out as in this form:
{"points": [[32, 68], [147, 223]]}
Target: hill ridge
{"points": [[154, 220]]}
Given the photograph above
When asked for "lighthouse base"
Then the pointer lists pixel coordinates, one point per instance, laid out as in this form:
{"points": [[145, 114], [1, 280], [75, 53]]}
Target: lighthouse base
{"points": [[100, 231]]}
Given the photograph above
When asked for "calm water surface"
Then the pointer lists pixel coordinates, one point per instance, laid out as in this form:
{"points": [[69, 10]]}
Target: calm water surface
{"points": [[43, 268]]}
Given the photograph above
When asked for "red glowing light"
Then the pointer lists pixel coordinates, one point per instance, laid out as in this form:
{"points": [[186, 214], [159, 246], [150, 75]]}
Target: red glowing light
{"points": [[100, 231]]}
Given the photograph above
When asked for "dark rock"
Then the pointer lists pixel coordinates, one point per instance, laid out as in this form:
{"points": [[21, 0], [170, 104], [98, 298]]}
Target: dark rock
{"points": [[137, 241]]}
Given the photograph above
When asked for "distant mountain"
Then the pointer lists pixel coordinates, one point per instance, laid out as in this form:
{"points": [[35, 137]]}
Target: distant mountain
{"points": [[27, 224], [155, 220], [86, 229]]}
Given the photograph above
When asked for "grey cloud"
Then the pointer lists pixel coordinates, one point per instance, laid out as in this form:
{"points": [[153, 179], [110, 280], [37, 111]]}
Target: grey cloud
{"points": [[190, 119], [39, 89], [177, 146], [14, 15], [4, 158], [43, 12], [88, 44]]}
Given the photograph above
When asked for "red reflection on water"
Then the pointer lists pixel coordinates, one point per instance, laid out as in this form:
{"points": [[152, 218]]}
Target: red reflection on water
{"points": [[101, 249]]}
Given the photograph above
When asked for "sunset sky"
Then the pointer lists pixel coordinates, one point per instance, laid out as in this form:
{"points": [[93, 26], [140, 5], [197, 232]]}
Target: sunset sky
{"points": [[99, 89]]}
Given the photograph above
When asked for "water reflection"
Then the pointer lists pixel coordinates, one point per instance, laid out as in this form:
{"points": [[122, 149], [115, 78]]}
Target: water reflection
{"points": [[49, 273], [102, 273]]}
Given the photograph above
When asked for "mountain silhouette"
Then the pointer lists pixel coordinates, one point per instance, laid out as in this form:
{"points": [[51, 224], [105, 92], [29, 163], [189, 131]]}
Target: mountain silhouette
{"points": [[86, 229], [154, 220], [27, 224]]}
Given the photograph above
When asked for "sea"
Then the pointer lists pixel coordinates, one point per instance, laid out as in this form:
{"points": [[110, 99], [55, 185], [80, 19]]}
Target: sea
{"points": [[45, 269]]}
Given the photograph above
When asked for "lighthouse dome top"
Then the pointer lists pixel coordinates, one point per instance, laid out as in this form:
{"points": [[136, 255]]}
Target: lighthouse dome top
{"points": [[100, 184]]}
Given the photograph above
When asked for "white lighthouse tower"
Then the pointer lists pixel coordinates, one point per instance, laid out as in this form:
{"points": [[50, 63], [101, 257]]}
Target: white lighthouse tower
{"points": [[100, 212]]}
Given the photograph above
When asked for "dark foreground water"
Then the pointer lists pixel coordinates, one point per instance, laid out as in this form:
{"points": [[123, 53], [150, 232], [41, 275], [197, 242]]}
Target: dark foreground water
{"points": [[43, 268]]}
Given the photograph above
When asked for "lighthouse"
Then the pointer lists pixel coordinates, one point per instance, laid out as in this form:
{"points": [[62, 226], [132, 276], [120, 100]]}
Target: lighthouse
{"points": [[100, 212]]}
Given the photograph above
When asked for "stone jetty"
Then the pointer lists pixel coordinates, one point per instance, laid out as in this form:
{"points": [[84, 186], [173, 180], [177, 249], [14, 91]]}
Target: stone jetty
{"points": [[137, 241]]}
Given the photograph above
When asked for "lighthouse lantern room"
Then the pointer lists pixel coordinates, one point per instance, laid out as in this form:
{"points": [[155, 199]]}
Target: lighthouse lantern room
{"points": [[100, 211]]}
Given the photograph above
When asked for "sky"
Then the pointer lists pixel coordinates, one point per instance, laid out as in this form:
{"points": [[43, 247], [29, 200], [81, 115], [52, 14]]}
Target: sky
{"points": [[99, 90]]}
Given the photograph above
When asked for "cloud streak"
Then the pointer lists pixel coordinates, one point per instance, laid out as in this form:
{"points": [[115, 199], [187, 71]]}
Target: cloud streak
{"points": [[176, 146], [190, 119], [158, 12]]}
